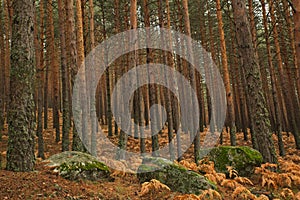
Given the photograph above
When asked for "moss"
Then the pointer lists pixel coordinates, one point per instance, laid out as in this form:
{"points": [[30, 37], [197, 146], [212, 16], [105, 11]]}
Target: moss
{"points": [[242, 158], [83, 166], [77, 165], [175, 176]]}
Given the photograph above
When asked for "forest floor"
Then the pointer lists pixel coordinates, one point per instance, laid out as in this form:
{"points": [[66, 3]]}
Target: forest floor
{"points": [[44, 184]]}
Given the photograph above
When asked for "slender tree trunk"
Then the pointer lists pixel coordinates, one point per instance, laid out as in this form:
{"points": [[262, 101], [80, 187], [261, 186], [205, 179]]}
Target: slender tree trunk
{"points": [[278, 127], [195, 133], [20, 150], [258, 111], [287, 94], [214, 57], [174, 83], [229, 96], [49, 57], [108, 88], [72, 58], [8, 32], [64, 75], [39, 54], [79, 142], [293, 81], [93, 113], [296, 6], [54, 70], [168, 79], [2, 73]]}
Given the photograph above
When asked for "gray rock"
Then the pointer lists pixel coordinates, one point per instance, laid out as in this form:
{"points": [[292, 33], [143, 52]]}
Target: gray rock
{"points": [[242, 158], [74, 165], [176, 177]]}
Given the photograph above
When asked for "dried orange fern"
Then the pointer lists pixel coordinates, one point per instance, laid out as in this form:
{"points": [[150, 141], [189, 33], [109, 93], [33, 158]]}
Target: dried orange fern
{"points": [[243, 180], [287, 194], [242, 193], [187, 196], [228, 183], [210, 194], [153, 186]]}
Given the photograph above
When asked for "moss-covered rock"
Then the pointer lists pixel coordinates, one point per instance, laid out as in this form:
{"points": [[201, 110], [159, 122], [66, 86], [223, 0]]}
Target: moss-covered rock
{"points": [[244, 159], [176, 177], [74, 165]]}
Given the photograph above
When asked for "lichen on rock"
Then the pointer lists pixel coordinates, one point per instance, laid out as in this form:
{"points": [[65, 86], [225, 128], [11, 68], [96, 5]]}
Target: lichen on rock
{"points": [[74, 165], [176, 177]]}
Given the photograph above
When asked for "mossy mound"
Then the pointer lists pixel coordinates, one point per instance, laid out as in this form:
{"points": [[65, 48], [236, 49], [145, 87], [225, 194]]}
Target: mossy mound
{"points": [[176, 177], [244, 159], [74, 165]]}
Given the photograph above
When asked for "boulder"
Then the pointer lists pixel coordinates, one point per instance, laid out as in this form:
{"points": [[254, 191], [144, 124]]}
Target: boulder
{"points": [[74, 165], [242, 158], [176, 177]]}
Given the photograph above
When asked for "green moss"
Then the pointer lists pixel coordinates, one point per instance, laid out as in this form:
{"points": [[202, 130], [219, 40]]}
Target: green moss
{"points": [[242, 158], [175, 176], [77, 165], [83, 166]]}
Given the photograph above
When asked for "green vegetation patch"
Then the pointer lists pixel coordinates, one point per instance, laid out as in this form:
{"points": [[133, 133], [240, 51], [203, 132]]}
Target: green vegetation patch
{"points": [[244, 159], [176, 177], [74, 165]]}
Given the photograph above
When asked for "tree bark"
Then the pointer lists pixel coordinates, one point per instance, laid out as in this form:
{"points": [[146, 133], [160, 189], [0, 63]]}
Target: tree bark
{"points": [[278, 127], [259, 115], [20, 151], [2, 74], [64, 72], [229, 96], [283, 80], [296, 6], [79, 142], [39, 55], [72, 57]]}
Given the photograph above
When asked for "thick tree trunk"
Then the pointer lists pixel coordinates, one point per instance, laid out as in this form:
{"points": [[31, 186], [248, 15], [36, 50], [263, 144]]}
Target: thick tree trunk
{"points": [[20, 151], [258, 112]]}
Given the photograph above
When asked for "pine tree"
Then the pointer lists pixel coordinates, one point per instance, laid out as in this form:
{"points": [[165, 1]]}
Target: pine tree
{"points": [[259, 115], [20, 151]]}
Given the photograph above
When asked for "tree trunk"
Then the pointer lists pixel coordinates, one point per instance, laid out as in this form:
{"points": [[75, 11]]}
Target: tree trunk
{"points": [[78, 143], [8, 32], [258, 110], [195, 133], [93, 114], [20, 150], [64, 75], [278, 127], [287, 93], [2, 73], [72, 57], [230, 106], [39, 53], [296, 6]]}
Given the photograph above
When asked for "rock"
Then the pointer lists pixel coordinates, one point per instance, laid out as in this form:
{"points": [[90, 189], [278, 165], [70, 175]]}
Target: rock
{"points": [[242, 158], [74, 165], [176, 177]]}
